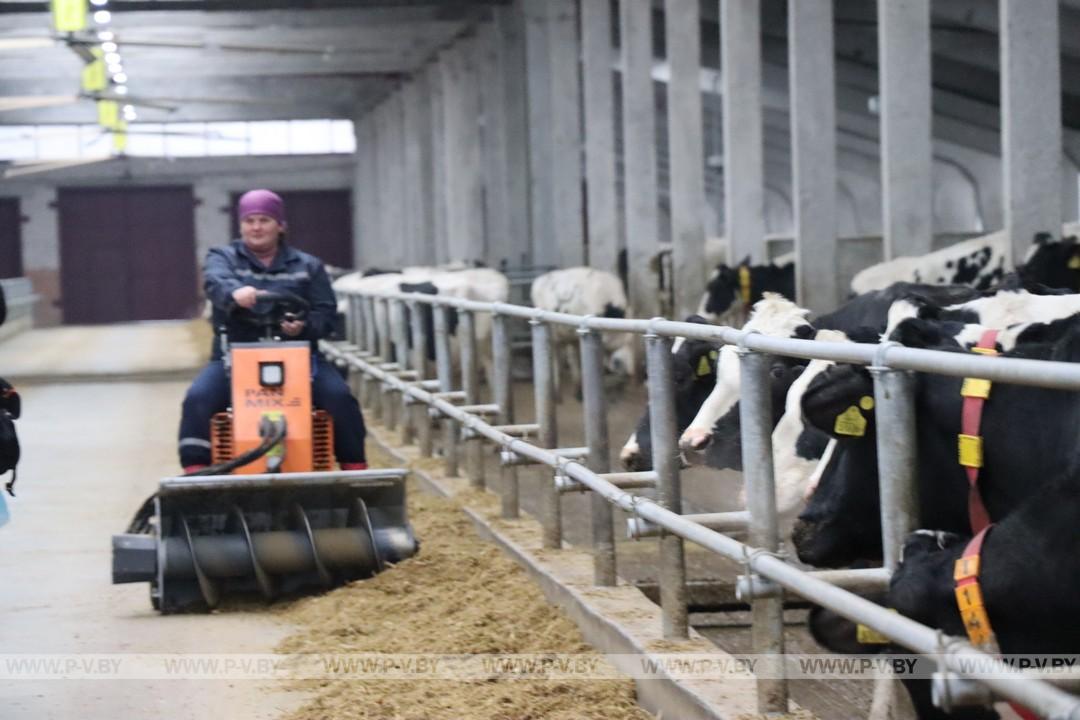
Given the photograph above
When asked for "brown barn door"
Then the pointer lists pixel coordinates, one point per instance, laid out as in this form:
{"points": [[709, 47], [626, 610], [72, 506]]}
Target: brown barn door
{"points": [[319, 222], [127, 254], [10, 238]]}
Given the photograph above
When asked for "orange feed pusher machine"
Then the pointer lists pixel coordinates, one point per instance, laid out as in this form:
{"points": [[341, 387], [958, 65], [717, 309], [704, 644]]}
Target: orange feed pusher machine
{"points": [[270, 515]]}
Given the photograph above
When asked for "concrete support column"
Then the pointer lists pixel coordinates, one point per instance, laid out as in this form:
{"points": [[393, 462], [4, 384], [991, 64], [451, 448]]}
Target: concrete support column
{"points": [[418, 185], [1070, 192], [364, 207], [639, 155], [385, 253], [599, 109], [686, 150], [813, 136], [440, 191], [906, 164], [461, 109], [541, 140], [510, 25], [1030, 119], [392, 176], [494, 146], [566, 170], [743, 127]]}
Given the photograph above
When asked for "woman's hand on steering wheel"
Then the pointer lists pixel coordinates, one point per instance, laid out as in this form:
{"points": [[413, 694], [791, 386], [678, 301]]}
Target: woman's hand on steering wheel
{"points": [[245, 297]]}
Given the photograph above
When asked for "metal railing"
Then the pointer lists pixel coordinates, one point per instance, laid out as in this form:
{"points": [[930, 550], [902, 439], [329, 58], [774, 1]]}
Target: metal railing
{"points": [[401, 383]]}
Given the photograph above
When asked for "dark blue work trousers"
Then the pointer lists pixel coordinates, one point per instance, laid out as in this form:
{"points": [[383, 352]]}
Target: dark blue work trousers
{"points": [[210, 394]]}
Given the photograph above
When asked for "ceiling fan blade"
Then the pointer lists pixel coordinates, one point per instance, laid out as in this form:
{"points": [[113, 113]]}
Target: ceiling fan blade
{"points": [[26, 43], [22, 169], [29, 102]]}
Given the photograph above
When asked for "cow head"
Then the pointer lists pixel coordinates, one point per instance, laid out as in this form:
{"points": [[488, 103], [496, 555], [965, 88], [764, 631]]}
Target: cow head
{"points": [[1053, 263], [714, 434], [840, 521], [694, 375], [722, 292], [922, 588], [619, 346]]}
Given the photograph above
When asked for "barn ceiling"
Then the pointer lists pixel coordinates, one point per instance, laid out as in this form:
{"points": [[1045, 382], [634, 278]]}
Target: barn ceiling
{"points": [[234, 59]]}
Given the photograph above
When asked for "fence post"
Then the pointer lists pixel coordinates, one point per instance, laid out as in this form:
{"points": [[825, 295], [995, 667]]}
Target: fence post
{"points": [[470, 383], [378, 399], [400, 320], [446, 384], [420, 418], [503, 392], [894, 411], [663, 432], [544, 388], [354, 335], [369, 386], [755, 419], [596, 437]]}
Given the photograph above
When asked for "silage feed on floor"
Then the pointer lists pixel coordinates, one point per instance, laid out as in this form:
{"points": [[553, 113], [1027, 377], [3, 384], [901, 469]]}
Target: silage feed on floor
{"points": [[458, 595]]}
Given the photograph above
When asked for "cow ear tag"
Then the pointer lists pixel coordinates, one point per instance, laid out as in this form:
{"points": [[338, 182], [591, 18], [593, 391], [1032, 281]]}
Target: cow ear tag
{"points": [[866, 403], [1074, 262], [703, 367], [850, 422]]}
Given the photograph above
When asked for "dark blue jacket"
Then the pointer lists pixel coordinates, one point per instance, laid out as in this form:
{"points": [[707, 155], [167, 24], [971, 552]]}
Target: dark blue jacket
{"points": [[234, 266]]}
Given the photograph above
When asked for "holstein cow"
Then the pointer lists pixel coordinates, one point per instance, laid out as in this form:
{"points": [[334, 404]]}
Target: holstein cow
{"points": [[773, 315], [1027, 577], [1027, 580], [479, 284], [731, 292], [980, 262], [717, 421], [1027, 437], [693, 370], [584, 291]]}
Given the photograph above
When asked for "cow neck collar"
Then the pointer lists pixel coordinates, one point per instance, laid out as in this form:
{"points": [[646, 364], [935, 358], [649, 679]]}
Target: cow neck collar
{"points": [[969, 600], [969, 597], [976, 391]]}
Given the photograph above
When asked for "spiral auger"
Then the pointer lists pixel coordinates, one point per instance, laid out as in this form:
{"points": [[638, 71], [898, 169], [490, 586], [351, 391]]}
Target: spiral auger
{"points": [[274, 535]]}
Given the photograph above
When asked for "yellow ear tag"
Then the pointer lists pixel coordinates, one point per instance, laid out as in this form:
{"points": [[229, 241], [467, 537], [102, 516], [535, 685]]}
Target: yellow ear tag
{"points": [[869, 636], [850, 422], [713, 354], [1074, 262], [866, 402], [744, 284], [703, 367]]}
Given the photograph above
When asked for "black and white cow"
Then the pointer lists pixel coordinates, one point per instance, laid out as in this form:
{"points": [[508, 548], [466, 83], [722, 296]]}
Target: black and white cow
{"points": [[1027, 576], [732, 291], [773, 315], [980, 262], [717, 421], [584, 291], [694, 375], [1028, 436], [1027, 579]]}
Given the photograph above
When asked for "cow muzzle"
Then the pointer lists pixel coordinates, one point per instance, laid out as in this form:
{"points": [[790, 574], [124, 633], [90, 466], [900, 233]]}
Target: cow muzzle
{"points": [[695, 439]]}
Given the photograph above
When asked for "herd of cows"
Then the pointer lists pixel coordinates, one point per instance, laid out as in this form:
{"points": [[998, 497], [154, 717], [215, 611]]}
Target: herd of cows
{"points": [[826, 471]]}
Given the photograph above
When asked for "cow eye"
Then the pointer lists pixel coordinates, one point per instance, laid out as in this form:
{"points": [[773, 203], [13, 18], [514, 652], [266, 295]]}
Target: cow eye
{"points": [[777, 371]]}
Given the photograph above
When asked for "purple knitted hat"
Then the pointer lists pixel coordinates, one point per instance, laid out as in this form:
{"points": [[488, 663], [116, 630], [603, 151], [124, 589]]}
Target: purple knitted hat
{"points": [[261, 202]]}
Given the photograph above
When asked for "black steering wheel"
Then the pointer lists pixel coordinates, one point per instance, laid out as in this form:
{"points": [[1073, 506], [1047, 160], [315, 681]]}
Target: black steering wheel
{"points": [[271, 308]]}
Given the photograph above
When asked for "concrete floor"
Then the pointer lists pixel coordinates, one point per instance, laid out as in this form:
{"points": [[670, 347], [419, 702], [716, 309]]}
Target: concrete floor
{"points": [[91, 452]]}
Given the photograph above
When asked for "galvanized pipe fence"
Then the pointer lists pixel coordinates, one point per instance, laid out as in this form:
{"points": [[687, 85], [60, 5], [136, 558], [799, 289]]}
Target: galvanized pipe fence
{"points": [[403, 382]]}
